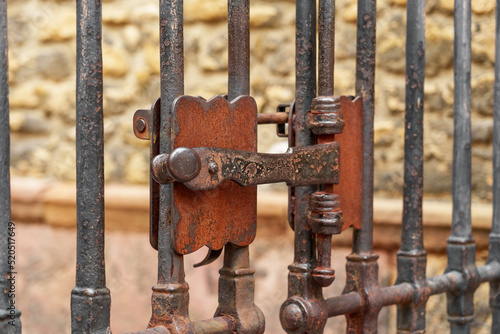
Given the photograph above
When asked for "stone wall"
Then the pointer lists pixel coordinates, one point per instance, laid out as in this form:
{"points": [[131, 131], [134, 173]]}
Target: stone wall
{"points": [[42, 76]]}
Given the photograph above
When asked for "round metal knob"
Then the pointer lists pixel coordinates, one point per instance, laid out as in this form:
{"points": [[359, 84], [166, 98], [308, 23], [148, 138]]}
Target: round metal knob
{"points": [[184, 164]]}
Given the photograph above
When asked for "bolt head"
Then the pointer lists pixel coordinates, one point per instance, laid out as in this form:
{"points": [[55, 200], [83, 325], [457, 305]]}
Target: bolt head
{"points": [[184, 164], [140, 125], [213, 168]]}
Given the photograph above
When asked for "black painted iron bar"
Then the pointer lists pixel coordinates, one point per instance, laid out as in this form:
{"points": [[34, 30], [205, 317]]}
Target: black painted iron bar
{"points": [[412, 258], [10, 321], [170, 299], [326, 46], [362, 267], [238, 48], [494, 252], [305, 91], [90, 299], [170, 264], [365, 87], [461, 223], [300, 282], [237, 282], [461, 248]]}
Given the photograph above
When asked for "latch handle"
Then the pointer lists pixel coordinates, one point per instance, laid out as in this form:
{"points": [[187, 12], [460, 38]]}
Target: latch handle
{"points": [[205, 168]]}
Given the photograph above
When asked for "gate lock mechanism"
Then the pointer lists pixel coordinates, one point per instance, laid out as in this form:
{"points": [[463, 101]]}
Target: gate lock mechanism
{"points": [[214, 168], [205, 168]]}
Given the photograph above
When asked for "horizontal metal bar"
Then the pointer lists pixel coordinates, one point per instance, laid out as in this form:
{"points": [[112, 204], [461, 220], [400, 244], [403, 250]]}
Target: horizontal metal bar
{"points": [[218, 325], [397, 295], [273, 118], [404, 293], [153, 330], [343, 304]]}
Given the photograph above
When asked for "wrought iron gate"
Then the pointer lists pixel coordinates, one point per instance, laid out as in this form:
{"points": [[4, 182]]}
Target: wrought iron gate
{"points": [[205, 168]]}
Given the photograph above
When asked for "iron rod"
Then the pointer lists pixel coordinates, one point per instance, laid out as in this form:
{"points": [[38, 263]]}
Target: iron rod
{"points": [[305, 91], [362, 267], [90, 299], [236, 282], [343, 304], [273, 118], [10, 321], [461, 248], [218, 325], [239, 48], [170, 264], [326, 47], [365, 87], [461, 220], [412, 257], [494, 252], [170, 301], [412, 236], [398, 294]]}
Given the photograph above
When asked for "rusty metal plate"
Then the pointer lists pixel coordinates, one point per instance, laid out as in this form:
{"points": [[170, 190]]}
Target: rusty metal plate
{"points": [[351, 156], [227, 213]]}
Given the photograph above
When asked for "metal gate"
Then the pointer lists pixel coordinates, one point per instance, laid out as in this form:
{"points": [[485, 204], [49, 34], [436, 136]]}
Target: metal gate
{"points": [[205, 168]]}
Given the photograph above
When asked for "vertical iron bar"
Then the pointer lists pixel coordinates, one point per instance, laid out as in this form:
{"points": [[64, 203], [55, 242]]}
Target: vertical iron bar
{"points": [[90, 299], [302, 311], [412, 257], [365, 87], [170, 299], [236, 282], [10, 322], [461, 248], [494, 252], [305, 91], [362, 267], [326, 46], [239, 48]]}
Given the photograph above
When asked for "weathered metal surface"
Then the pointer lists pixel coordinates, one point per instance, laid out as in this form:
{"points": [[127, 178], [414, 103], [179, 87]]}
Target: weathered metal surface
{"points": [[326, 46], [274, 118], [412, 257], [325, 219], [326, 116], [10, 322], [170, 300], [236, 282], [281, 129], [146, 125], [206, 168], [362, 267], [494, 252], [350, 141], [154, 187], [227, 213], [141, 124], [236, 291], [461, 248], [304, 311], [90, 299]]}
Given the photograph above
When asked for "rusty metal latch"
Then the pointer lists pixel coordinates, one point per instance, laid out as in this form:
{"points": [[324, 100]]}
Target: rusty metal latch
{"points": [[205, 168]]}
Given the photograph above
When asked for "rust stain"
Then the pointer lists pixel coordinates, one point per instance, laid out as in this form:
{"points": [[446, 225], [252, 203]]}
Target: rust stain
{"points": [[229, 212], [351, 162]]}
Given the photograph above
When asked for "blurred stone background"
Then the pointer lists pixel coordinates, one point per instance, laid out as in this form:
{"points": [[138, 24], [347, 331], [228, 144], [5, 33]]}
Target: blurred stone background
{"points": [[42, 37], [42, 74]]}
